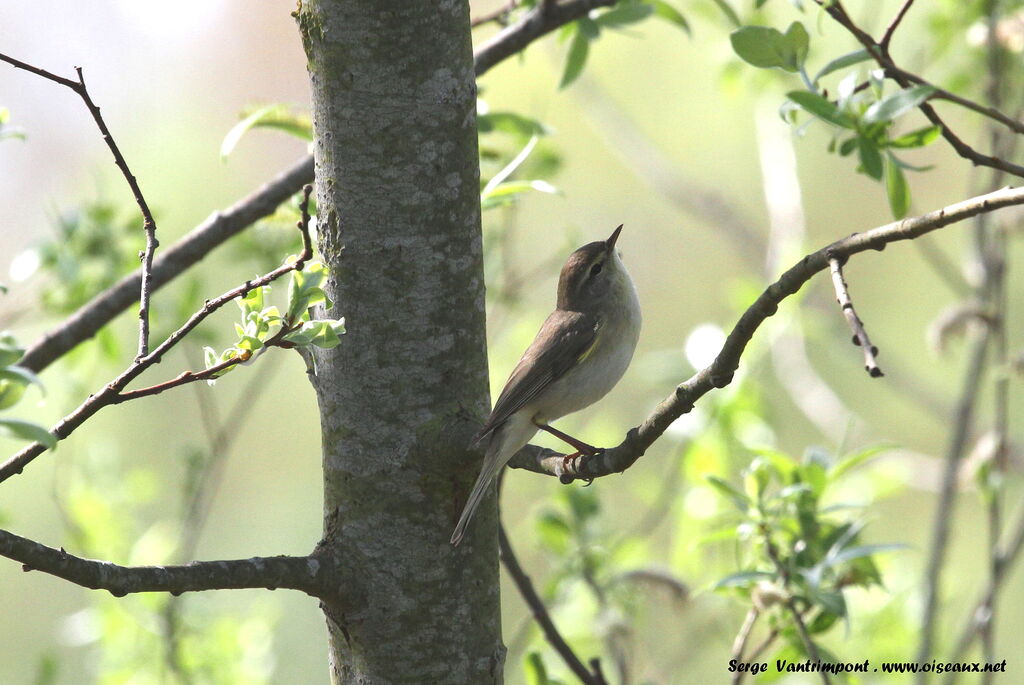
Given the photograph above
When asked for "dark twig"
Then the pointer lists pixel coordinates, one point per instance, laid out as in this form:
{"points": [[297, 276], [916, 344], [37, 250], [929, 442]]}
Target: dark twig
{"points": [[499, 15], [544, 18], [220, 226], [148, 223], [199, 243], [293, 573], [720, 372], [798, 619], [540, 613], [110, 393], [860, 336], [905, 79], [946, 504], [893, 25]]}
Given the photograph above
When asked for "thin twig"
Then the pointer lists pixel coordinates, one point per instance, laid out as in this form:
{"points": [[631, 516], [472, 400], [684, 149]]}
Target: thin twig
{"points": [[905, 79], [148, 223], [798, 619], [860, 336], [544, 18], [499, 15], [720, 372], [220, 226], [739, 645], [540, 613], [894, 24], [947, 495], [109, 393]]}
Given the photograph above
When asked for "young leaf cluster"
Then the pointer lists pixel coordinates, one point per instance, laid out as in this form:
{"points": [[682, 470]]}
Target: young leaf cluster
{"points": [[796, 551], [263, 325]]}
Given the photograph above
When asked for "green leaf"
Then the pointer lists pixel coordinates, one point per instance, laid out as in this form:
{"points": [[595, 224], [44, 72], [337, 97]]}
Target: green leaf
{"points": [[917, 138], [272, 116], [766, 47], [847, 60], [739, 499], [870, 158], [509, 122], [742, 579], [798, 43], [670, 14], [577, 57], [851, 553], [536, 673], [23, 430], [896, 188], [251, 301], [820, 107], [623, 15], [729, 12], [896, 104], [505, 193], [10, 351], [554, 532], [852, 461], [320, 332]]}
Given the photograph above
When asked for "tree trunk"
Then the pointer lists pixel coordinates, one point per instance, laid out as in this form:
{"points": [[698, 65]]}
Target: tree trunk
{"points": [[397, 169]]}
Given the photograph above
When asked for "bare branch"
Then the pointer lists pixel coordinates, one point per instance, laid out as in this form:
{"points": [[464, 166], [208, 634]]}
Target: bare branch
{"points": [[202, 240], [220, 226], [894, 24], [860, 336], [720, 372], [544, 18], [307, 574], [148, 223], [110, 393], [540, 613]]}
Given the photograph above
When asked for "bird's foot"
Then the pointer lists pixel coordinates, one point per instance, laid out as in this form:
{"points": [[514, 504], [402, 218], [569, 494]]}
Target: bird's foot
{"points": [[571, 463]]}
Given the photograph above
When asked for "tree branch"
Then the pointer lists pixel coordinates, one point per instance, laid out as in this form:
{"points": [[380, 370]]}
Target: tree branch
{"points": [[860, 336], [720, 372], [307, 574], [203, 239], [148, 223], [905, 79], [544, 18], [220, 226], [111, 392], [540, 613], [894, 24]]}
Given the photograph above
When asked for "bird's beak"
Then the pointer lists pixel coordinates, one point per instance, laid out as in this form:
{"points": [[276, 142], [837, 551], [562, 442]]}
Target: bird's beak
{"points": [[609, 244]]}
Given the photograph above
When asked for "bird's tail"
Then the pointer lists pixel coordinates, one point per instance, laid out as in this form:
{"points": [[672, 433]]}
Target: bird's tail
{"points": [[492, 464]]}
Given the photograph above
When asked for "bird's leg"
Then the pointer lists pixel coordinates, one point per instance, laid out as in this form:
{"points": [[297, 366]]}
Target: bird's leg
{"points": [[582, 448]]}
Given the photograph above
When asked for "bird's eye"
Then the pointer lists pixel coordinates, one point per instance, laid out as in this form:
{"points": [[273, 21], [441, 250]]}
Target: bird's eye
{"points": [[596, 269]]}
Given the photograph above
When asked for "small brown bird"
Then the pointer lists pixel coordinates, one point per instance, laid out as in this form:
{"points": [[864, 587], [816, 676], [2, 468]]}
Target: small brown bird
{"points": [[579, 354]]}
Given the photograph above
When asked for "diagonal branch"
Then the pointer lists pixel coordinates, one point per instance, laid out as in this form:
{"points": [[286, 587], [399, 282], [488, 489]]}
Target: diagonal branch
{"points": [[540, 613], [544, 18], [894, 24], [220, 226], [905, 79], [860, 336], [308, 574], [148, 223], [111, 392], [203, 239], [720, 372]]}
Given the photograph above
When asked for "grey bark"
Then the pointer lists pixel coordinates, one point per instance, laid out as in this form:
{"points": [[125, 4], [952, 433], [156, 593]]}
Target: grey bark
{"points": [[397, 169]]}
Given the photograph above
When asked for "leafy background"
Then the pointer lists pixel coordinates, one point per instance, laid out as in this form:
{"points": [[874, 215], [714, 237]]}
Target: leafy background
{"points": [[629, 565]]}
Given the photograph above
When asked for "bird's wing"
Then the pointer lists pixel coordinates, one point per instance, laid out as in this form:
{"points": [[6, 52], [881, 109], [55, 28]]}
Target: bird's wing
{"points": [[569, 336]]}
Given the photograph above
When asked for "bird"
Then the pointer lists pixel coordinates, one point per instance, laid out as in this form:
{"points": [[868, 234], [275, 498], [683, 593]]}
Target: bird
{"points": [[581, 351]]}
